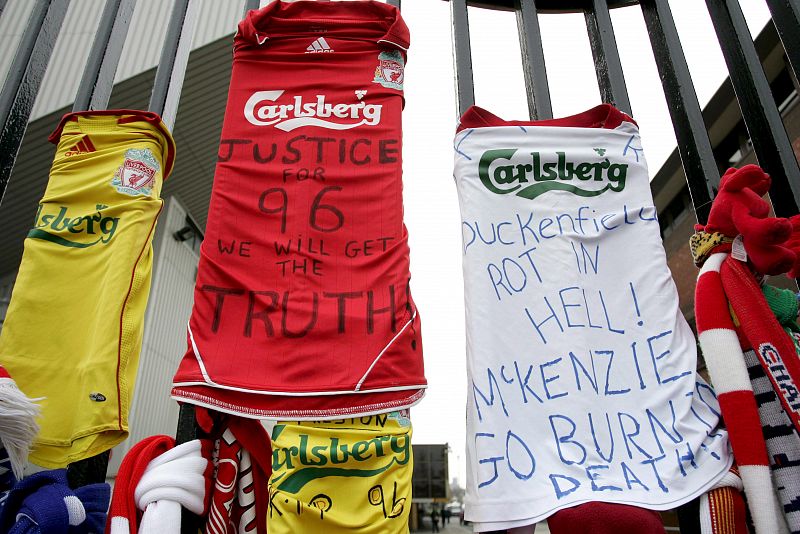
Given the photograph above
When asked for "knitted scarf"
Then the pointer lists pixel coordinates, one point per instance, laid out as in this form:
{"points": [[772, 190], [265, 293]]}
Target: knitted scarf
{"points": [[719, 284], [242, 464], [157, 479], [44, 503], [765, 335]]}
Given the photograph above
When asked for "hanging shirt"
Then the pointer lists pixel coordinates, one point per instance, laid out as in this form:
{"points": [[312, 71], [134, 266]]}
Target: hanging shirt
{"points": [[302, 307], [73, 332], [581, 368]]}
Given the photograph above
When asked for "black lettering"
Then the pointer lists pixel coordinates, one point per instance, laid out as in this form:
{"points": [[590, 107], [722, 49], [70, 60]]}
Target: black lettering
{"points": [[230, 144], [263, 315], [385, 153], [221, 293]]}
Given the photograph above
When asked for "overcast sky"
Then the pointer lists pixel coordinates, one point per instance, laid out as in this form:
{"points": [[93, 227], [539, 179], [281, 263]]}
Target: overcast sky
{"points": [[431, 206]]}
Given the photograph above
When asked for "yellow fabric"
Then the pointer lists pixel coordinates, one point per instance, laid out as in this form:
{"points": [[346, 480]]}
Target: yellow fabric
{"points": [[703, 244], [73, 331], [342, 476]]}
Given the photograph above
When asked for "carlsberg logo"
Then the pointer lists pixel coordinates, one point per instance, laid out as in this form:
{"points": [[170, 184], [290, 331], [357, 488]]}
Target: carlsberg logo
{"points": [[538, 174], [296, 113], [77, 231]]}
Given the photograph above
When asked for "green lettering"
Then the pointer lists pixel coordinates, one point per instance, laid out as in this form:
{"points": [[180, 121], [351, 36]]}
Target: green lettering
{"points": [[486, 161], [359, 448]]}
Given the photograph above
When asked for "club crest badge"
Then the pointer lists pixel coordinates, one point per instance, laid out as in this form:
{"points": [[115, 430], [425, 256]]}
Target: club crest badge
{"points": [[389, 72], [137, 173]]}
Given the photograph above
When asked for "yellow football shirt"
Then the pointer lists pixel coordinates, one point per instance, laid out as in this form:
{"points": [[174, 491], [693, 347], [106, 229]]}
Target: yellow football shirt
{"points": [[73, 330], [341, 476]]}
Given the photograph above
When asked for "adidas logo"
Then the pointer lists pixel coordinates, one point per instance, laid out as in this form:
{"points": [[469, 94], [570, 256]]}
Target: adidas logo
{"points": [[83, 146], [319, 46]]}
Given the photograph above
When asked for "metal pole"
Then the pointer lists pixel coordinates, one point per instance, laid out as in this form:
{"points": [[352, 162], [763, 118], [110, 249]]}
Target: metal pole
{"points": [[761, 116], [462, 52], [607, 65], [24, 78], [533, 65], [97, 82], [694, 146], [786, 16], [174, 58], [395, 3], [250, 5]]}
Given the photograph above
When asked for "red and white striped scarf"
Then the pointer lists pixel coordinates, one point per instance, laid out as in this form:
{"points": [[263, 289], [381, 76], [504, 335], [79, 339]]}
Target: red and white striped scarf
{"points": [[726, 364]]}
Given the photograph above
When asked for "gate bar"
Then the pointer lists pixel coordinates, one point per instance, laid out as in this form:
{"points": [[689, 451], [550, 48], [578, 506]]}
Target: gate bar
{"points": [[694, 146], [761, 116], [93, 93], [607, 65], [462, 52], [24, 78], [174, 58], [786, 16], [97, 82], [533, 65], [251, 4]]}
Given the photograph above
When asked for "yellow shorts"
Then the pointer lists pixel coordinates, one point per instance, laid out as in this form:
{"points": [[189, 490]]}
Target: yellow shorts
{"points": [[73, 331], [341, 476]]}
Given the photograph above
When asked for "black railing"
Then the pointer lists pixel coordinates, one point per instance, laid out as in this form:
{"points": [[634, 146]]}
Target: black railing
{"points": [[760, 113]]}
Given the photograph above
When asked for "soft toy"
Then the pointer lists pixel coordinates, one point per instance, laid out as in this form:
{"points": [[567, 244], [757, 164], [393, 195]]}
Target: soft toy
{"points": [[733, 317], [739, 210]]}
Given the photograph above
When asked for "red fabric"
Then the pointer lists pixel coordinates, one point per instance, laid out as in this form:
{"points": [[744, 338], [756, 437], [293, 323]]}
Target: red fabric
{"points": [[716, 313], [125, 116], [771, 343], [130, 471], [602, 116], [334, 330], [743, 423], [605, 518], [240, 497], [727, 511], [739, 209]]}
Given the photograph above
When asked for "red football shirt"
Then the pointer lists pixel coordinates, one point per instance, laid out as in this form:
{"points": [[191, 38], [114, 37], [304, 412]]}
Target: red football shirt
{"points": [[302, 306]]}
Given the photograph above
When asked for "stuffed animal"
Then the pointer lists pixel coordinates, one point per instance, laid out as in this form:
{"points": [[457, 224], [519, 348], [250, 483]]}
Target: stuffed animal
{"points": [[738, 209], [734, 319]]}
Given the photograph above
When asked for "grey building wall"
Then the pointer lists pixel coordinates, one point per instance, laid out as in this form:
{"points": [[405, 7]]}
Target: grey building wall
{"points": [[142, 46]]}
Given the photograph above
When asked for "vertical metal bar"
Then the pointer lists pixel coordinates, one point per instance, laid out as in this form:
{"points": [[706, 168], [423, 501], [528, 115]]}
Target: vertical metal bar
{"points": [[694, 146], [174, 58], [24, 78], [607, 64], [786, 16], [395, 3], [761, 116], [250, 5], [187, 431], [89, 471], [98, 76], [462, 51], [530, 42]]}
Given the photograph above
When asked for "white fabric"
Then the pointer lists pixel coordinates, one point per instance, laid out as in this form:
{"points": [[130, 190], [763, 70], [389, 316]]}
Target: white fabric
{"points": [[120, 525], [730, 374], [761, 500], [75, 510], [170, 481], [161, 516], [581, 368], [706, 525]]}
